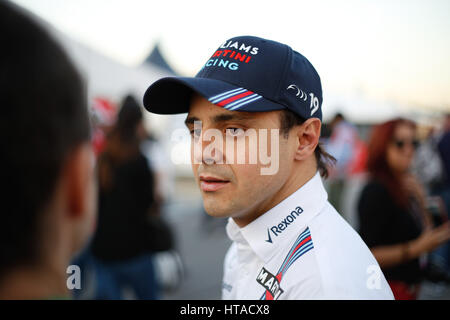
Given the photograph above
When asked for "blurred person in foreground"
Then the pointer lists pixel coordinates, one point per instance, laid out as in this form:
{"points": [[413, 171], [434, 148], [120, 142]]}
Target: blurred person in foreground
{"points": [[48, 194], [103, 113], [394, 222], [122, 243]]}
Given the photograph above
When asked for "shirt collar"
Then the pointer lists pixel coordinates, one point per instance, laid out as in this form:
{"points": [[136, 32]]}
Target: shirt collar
{"points": [[283, 222]]}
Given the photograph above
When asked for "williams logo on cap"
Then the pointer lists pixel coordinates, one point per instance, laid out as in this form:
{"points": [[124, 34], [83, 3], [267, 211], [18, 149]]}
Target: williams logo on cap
{"points": [[245, 74]]}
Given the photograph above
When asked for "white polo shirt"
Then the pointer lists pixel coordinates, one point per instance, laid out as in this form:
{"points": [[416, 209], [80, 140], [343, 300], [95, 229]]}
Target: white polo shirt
{"points": [[301, 249]]}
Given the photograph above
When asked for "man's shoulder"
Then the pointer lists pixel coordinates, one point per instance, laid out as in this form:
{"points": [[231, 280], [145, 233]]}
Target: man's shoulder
{"points": [[344, 261], [335, 238]]}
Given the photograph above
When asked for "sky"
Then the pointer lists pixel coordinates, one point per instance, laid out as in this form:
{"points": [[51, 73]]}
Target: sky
{"points": [[396, 50]]}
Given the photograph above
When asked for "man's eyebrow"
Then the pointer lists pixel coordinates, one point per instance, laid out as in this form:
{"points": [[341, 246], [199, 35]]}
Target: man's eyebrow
{"points": [[222, 118], [231, 117]]}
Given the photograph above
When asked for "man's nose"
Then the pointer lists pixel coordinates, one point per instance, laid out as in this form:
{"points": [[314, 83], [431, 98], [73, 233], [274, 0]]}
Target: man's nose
{"points": [[207, 148], [197, 150]]}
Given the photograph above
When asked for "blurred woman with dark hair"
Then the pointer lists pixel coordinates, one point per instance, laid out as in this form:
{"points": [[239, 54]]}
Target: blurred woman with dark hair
{"points": [[393, 220], [126, 195]]}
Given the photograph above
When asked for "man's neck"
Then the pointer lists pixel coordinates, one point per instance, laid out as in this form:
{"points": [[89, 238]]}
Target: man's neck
{"points": [[300, 177]]}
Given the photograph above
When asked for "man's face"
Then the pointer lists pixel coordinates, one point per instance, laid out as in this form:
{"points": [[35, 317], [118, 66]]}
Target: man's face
{"points": [[233, 189]]}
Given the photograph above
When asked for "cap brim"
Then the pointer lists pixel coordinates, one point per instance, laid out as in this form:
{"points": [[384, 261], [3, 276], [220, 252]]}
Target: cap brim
{"points": [[172, 95]]}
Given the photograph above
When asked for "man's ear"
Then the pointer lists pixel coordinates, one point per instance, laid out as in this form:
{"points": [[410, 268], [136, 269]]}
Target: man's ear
{"points": [[78, 171], [308, 135]]}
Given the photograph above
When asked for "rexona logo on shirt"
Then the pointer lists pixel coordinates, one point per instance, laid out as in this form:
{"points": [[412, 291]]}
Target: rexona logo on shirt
{"points": [[270, 283], [280, 227]]}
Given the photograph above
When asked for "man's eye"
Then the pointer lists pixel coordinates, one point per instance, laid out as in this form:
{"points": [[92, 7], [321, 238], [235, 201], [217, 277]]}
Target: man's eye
{"points": [[196, 133], [235, 132]]}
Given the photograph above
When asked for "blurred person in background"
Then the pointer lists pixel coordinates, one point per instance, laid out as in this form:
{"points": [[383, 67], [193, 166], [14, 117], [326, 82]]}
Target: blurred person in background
{"points": [[394, 222], [122, 243], [103, 114], [444, 152], [167, 259], [350, 153], [427, 165], [48, 181], [442, 190]]}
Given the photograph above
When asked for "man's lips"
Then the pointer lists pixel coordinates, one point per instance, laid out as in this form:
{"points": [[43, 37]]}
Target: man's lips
{"points": [[209, 183]]}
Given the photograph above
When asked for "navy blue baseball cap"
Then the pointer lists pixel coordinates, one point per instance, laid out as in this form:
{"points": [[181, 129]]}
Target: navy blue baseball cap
{"points": [[245, 74]]}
